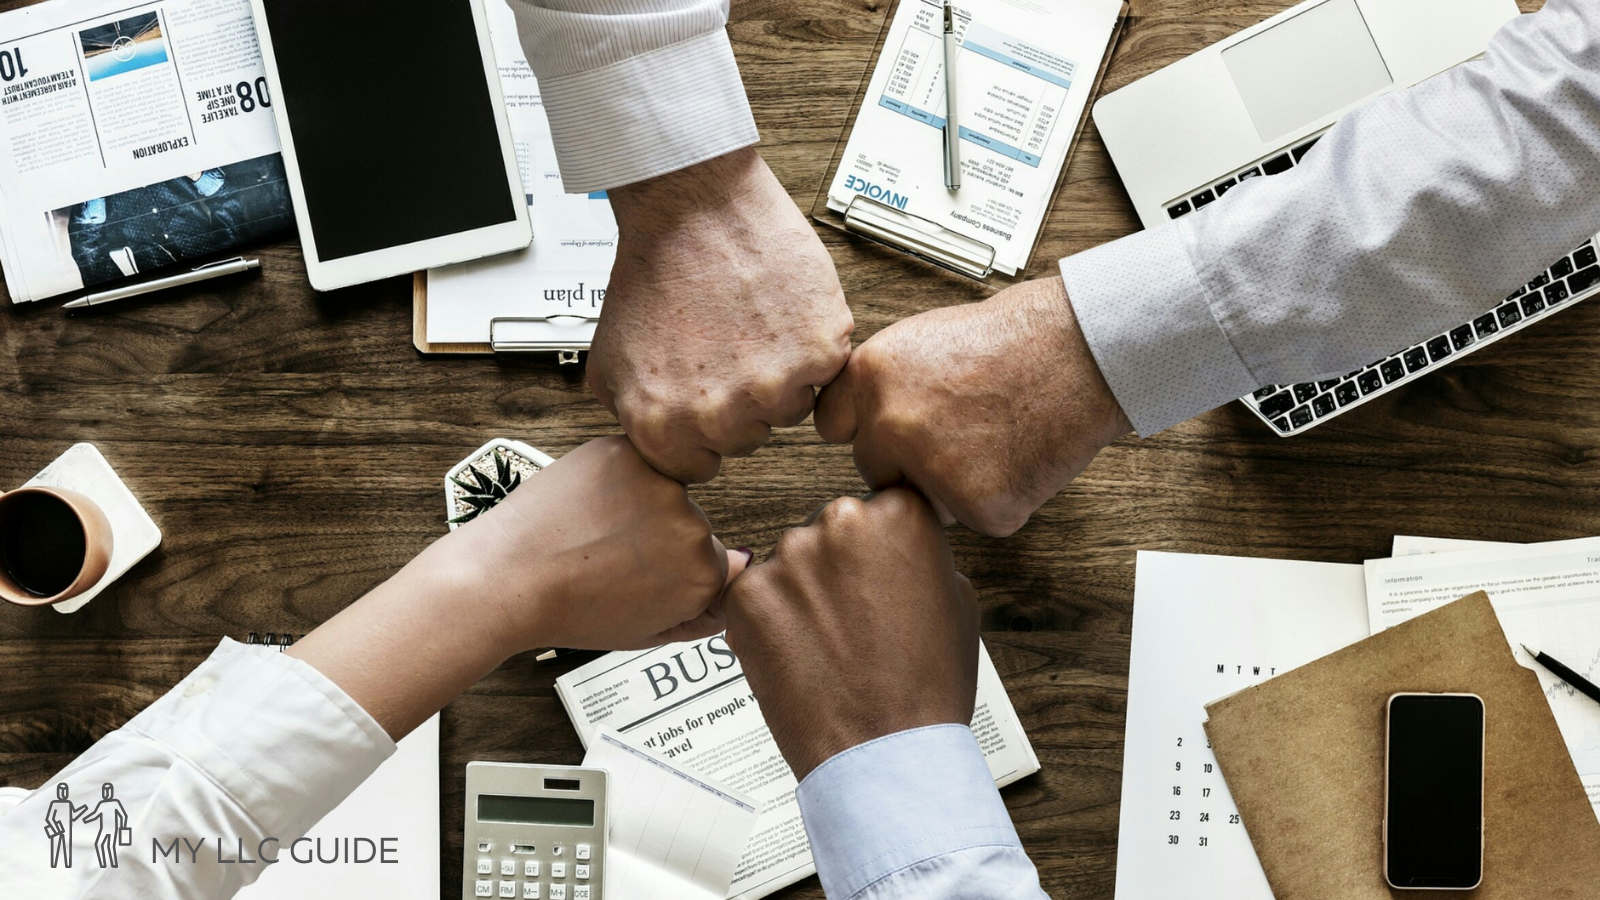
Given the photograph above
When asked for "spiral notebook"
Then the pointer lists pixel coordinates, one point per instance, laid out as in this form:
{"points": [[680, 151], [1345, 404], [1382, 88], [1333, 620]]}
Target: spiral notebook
{"points": [[400, 800]]}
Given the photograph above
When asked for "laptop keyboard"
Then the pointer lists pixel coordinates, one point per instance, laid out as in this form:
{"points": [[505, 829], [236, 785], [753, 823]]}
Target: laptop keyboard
{"points": [[1293, 408]]}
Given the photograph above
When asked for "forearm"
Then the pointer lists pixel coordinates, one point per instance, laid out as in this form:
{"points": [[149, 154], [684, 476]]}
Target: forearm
{"points": [[1413, 214]]}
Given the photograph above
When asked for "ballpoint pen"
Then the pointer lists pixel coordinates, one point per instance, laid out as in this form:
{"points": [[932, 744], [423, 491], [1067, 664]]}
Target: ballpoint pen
{"points": [[952, 130], [203, 273], [1557, 668]]}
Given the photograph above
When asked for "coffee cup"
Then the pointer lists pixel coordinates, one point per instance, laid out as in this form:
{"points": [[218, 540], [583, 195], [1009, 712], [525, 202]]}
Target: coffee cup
{"points": [[54, 545]]}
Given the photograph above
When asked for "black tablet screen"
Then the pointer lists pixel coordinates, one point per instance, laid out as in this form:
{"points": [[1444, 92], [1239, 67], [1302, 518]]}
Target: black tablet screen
{"points": [[392, 121]]}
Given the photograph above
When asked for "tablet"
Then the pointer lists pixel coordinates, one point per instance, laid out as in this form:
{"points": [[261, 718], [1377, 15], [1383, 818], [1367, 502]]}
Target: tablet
{"points": [[394, 134]]}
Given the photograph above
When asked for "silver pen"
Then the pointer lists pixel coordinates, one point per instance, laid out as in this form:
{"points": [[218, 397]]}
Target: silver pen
{"points": [[952, 130], [206, 272]]}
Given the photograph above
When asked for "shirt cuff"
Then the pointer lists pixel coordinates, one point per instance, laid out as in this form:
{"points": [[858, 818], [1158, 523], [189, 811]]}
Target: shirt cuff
{"points": [[271, 731], [891, 803], [648, 115], [1148, 321]]}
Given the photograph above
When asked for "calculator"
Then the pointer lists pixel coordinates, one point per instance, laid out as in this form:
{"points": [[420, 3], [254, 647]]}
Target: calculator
{"points": [[534, 832]]}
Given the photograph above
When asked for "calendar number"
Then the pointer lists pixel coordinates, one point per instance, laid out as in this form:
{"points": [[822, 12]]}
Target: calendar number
{"points": [[1233, 819], [1208, 768], [1173, 815], [1177, 790], [1203, 841], [1205, 792], [1205, 817], [1177, 767], [1180, 742], [1172, 840]]}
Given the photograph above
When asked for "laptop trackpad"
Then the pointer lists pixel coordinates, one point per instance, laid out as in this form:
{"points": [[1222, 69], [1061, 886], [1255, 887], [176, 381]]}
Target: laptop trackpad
{"points": [[1306, 67]]}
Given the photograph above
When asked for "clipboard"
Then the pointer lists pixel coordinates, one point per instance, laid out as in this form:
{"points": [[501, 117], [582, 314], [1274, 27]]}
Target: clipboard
{"points": [[915, 235], [568, 337]]}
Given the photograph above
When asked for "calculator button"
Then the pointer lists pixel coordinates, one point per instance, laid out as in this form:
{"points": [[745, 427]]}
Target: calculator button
{"points": [[485, 846], [581, 851], [558, 892], [508, 868], [530, 869], [558, 870], [485, 866], [530, 890], [508, 889], [580, 892], [481, 888], [581, 871], [557, 849]]}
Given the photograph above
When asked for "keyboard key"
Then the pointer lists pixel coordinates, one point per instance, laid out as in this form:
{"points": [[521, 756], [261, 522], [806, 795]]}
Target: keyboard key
{"points": [[1322, 405], [1265, 391], [1277, 404], [1279, 163], [1347, 393], [1562, 268], [1327, 385], [1461, 337], [1539, 281], [1249, 173], [1370, 381], [1393, 370], [1485, 325], [1223, 186], [1555, 293], [1301, 417], [1583, 279], [1510, 314], [1416, 359], [1532, 302], [1516, 293], [1439, 348], [1584, 257], [1304, 391], [1281, 423], [1202, 198], [1181, 208], [1300, 151]]}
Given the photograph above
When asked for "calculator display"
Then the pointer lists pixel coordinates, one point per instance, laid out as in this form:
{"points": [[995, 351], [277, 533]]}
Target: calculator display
{"points": [[536, 810]]}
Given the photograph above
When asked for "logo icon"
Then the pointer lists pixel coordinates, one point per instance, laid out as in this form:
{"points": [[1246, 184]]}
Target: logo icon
{"points": [[109, 813]]}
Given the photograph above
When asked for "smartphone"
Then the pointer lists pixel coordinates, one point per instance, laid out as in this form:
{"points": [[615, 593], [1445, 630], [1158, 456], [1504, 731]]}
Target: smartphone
{"points": [[1433, 792]]}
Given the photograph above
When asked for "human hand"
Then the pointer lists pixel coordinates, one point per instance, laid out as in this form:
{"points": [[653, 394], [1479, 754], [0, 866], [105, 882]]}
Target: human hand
{"points": [[988, 408], [723, 315], [598, 551], [858, 626]]}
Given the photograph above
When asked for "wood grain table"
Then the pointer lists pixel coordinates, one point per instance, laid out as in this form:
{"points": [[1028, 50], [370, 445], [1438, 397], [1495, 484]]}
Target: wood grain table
{"points": [[291, 446]]}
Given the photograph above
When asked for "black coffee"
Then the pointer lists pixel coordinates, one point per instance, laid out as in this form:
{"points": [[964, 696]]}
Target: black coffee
{"points": [[41, 543]]}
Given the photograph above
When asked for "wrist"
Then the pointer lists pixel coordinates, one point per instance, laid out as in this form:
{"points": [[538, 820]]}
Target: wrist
{"points": [[468, 596], [822, 741], [662, 203], [1098, 406]]}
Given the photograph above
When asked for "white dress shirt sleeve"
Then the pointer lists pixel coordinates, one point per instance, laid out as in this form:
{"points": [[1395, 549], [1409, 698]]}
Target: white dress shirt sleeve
{"points": [[914, 815], [252, 745], [634, 88], [1415, 213]]}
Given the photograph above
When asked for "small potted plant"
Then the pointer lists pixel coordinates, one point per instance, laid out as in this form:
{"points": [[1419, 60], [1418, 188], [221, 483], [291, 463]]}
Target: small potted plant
{"points": [[474, 485]]}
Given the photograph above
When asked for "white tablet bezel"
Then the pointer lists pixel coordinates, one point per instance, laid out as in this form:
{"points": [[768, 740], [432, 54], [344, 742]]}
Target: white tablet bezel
{"points": [[327, 275]]}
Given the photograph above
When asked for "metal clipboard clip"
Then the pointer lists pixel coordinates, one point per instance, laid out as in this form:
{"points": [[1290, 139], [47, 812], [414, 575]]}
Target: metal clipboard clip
{"points": [[922, 238], [564, 335]]}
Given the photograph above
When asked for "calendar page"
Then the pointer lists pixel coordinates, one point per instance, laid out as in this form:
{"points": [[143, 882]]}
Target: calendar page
{"points": [[1205, 627]]}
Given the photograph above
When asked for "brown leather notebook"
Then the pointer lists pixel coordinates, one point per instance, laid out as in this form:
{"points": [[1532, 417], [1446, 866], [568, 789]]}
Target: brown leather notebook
{"points": [[1303, 756]]}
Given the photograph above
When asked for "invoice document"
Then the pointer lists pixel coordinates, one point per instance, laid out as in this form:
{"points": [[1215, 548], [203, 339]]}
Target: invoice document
{"points": [[1546, 595], [1205, 627], [1023, 78]]}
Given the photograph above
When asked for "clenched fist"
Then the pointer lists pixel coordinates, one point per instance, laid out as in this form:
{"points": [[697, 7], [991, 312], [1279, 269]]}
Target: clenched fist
{"points": [[723, 315], [989, 408]]}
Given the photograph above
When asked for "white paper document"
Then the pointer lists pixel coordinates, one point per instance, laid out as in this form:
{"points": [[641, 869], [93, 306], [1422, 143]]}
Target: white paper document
{"points": [[1205, 627], [565, 271], [688, 704], [1023, 78], [673, 836], [1546, 596]]}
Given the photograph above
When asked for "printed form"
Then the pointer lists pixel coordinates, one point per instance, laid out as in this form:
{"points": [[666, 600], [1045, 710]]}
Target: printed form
{"points": [[1023, 79], [1546, 595]]}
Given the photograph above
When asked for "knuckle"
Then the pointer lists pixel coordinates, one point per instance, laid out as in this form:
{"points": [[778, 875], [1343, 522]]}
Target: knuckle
{"points": [[843, 512]]}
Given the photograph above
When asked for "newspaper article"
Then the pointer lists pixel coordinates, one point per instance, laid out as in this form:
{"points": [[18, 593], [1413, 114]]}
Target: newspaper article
{"points": [[134, 137], [689, 703]]}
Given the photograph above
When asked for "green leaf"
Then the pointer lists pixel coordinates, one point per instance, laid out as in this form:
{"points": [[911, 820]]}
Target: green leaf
{"points": [[502, 468], [465, 517], [456, 480], [485, 485]]}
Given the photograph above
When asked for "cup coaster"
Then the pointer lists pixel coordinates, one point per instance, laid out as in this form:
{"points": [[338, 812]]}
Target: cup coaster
{"points": [[133, 533]]}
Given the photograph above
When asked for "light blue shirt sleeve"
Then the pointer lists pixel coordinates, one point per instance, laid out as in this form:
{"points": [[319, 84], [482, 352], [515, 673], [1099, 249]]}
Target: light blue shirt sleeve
{"points": [[914, 814]]}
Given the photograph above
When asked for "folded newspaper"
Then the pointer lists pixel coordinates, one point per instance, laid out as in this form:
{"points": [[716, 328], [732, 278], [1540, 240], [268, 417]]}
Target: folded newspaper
{"points": [[689, 703], [135, 137]]}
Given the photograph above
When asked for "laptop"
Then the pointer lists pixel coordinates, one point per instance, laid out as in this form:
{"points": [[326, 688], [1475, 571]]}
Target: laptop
{"points": [[1254, 104]]}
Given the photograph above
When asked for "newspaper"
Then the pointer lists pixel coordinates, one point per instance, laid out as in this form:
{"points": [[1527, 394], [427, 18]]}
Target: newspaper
{"points": [[132, 138], [689, 703]]}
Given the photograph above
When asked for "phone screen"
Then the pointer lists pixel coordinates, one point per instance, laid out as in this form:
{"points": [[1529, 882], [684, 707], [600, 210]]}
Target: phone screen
{"points": [[392, 119], [1435, 793]]}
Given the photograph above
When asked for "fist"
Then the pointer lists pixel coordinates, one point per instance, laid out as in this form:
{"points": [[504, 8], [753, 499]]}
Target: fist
{"points": [[723, 316], [989, 408], [857, 627]]}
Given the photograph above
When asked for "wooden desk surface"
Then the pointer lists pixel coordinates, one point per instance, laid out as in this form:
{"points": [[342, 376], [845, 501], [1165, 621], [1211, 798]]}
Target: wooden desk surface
{"points": [[291, 447]]}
